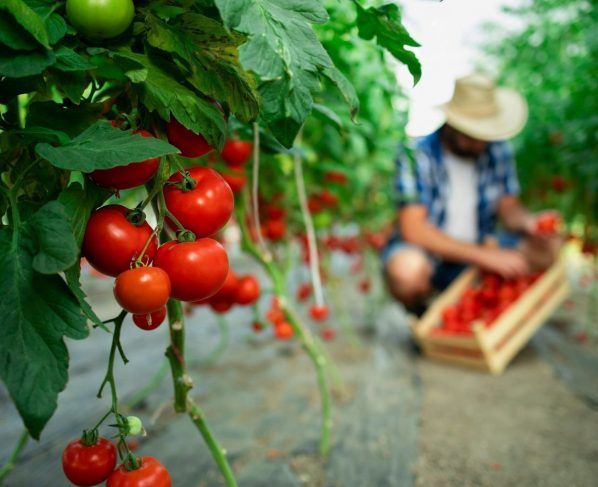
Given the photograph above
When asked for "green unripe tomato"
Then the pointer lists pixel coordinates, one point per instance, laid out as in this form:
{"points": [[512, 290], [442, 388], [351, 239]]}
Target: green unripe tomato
{"points": [[135, 425], [100, 19]]}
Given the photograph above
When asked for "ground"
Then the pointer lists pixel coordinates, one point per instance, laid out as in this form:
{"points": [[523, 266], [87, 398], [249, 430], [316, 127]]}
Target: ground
{"points": [[400, 420]]}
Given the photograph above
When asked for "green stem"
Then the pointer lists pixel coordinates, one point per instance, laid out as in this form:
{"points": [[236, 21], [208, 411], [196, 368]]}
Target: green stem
{"points": [[198, 418], [176, 353], [109, 377], [9, 465], [303, 334]]}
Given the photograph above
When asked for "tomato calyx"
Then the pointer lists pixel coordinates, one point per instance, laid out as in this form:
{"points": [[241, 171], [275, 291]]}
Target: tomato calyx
{"points": [[185, 236], [90, 437], [186, 184], [132, 462], [136, 216]]}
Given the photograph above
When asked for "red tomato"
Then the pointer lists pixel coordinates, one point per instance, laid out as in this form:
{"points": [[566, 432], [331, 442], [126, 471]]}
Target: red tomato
{"points": [[376, 240], [547, 224], [229, 287], [559, 184], [190, 144], [236, 152], [142, 290], [364, 285], [235, 178], [275, 316], [491, 281], [318, 313], [507, 294], [151, 473], [197, 270], [150, 321], [283, 331], [304, 291], [111, 242], [204, 209], [450, 314], [257, 326], [328, 198], [88, 465], [274, 212], [275, 230], [248, 290], [129, 176], [328, 333], [220, 305], [313, 205], [335, 177]]}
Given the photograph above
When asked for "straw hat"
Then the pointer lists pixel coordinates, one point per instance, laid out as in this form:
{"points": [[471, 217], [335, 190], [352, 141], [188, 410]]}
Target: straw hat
{"points": [[483, 111]]}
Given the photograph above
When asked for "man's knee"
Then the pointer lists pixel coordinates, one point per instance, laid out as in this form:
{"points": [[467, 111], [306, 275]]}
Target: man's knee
{"points": [[408, 273]]}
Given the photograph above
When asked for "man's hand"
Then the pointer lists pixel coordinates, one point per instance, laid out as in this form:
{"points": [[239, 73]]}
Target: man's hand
{"points": [[506, 263], [543, 225]]}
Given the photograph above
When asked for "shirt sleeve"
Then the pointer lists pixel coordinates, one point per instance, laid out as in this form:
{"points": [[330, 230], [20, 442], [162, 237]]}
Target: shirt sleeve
{"points": [[507, 168], [410, 183]]}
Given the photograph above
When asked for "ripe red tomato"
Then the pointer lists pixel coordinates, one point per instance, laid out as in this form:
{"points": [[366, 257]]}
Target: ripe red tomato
{"points": [[313, 205], [275, 316], [111, 242], [257, 326], [150, 321], [303, 291], [318, 313], [327, 333], [220, 305], [129, 176], [328, 198], [207, 207], [274, 212], [274, 229], [236, 152], [235, 178], [547, 224], [248, 290], [283, 331], [228, 289], [190, 144], [365, 285], [197, 270], [88, 465], [142, 290], [338, 177], [151, 473]]}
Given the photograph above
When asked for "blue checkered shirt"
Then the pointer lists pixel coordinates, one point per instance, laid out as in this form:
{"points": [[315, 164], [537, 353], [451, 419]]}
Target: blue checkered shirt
{"points": [[426, 181]]}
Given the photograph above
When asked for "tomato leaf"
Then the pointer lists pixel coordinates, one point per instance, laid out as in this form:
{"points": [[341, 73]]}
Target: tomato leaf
{"points": [[161, 92], [38, 311], [71, 121], [209, 56], [13, 35], [69, 60], [385, 24], [283, 50], [103, 146], [18, 64], [28, 19], [54, 23]]}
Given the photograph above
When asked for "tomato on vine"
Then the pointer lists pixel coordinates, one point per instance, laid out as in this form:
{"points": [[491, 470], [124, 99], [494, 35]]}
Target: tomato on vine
{"points": [[112, 242], [129, 176], [202, 201], [189, 143], [235, 178], [236, 152], [86, 465], [283, 331], [319, 313], [248, 290], [151, 473], [100, 19], [142, 290], [197, 270], [150, 321]]}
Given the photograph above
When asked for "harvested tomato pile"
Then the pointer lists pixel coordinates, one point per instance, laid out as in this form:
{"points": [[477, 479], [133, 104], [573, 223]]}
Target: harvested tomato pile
{"points": [[483, 303]]}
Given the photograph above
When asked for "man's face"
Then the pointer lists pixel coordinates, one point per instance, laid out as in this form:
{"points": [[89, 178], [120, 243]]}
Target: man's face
{"points": [[463, 145]]}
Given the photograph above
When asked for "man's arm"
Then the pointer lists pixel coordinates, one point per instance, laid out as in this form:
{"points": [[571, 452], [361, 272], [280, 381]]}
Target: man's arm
{"points": [[416, 229], [513, 215]]}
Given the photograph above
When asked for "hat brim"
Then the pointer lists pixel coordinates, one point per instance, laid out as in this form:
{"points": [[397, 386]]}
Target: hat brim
{"points": [[509, 120]]}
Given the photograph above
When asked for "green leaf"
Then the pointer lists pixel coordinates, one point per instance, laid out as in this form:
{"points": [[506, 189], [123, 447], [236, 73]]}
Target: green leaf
{"points": [[210, 57], [18, 64], [12, 87], [13, 35], [55, 23], [72, 279], [79, 203], [385, 25], [70, 120], [42, 134], [71, 84], [283, 50], [328, 115], [57, 249], [28, 19], [103, 146], [38, 311], [68, 60], [163, 93]]}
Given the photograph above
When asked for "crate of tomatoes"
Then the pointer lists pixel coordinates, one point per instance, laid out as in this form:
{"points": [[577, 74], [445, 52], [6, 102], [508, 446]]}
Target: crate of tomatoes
{"points": [[482, 320]]}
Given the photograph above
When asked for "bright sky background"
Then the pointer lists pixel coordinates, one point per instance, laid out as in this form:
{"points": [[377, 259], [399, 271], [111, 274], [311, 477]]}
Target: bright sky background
{"points": [[449, 33]]}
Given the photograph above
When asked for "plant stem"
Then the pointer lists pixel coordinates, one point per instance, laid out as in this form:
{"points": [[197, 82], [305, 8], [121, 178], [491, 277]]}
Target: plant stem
{"points": [[12, 460], [175, 354], [254, 189], [303, 334], [109, 378], [198, 418]]}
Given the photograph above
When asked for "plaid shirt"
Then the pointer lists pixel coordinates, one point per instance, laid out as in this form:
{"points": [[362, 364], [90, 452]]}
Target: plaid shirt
{"points": [[426, 181]]}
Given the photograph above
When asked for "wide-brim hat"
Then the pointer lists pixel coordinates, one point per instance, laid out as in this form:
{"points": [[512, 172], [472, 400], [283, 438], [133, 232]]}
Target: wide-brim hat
{"points": [[484, 111]]}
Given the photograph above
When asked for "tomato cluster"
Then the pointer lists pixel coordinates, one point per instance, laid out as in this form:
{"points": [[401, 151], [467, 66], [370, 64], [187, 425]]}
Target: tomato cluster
{"points": [[275, 315], [483, 303], [322, 200], [241, 290], [235, 155], [91, 464]]}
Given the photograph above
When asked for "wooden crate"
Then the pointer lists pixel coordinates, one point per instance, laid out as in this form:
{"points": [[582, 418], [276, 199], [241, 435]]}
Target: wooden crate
{"points": [[492, 348]]}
